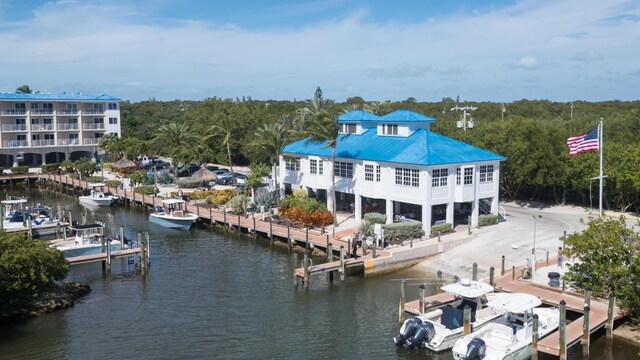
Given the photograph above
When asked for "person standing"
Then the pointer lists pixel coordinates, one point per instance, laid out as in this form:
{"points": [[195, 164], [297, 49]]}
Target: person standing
{"points": [[560, 257]]}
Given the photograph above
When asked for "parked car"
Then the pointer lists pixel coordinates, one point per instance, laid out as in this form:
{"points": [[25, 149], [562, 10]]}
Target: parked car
{"points": [[239, 179], [157, 163], [188, 170], [212, 168]]}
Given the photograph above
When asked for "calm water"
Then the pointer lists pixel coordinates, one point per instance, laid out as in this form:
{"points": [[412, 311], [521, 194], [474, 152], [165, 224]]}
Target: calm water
{"points": [[212, 295]]}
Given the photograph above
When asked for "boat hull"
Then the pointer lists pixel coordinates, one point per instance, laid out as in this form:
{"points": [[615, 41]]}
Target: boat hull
{"points": [[173, 222], [83, 250], [96, 201]]}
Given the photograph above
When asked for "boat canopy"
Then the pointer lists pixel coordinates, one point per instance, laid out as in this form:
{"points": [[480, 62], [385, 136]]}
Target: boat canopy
{"points": [[88, 226], [98, 184], [173, 201], [516, 302], [12, 202], [466, 288]]}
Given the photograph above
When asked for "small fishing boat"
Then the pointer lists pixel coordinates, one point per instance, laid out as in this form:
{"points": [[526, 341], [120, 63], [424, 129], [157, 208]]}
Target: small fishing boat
{"points": [[39, 219], [173, 214], [88, 241], [508, 337], [10, 206], [98, 198]]}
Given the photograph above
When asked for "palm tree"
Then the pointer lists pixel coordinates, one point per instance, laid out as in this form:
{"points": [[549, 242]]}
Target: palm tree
{"points": [[325, 129], [224, 130], [379, 107], [25, 89], [172, 138], [271, 138]]}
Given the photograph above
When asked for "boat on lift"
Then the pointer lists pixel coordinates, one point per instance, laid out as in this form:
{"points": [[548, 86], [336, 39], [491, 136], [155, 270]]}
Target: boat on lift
{"points": [[88, 241], [39, 219], [10, 206], [173, 214]]}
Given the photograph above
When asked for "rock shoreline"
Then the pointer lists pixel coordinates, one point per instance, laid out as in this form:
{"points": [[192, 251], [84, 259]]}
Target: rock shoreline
{"points": [[61, 295]]}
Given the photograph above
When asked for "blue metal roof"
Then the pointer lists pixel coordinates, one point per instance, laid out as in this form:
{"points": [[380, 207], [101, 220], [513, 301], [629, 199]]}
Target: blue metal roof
{"points": [[358, 115], [406, 116], [63, 96], [423, 147]]}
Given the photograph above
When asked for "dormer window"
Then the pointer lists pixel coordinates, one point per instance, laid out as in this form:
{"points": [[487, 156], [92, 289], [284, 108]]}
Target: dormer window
{"points": [[390, 129], [347, 128]]}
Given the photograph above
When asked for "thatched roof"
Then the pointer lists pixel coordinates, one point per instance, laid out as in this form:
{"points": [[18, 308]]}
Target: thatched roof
{"points": [[204, 174], [123, 164]]}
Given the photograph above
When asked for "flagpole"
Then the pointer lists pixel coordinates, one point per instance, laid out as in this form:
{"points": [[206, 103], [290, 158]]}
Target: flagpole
{"points": [[600, 134]]}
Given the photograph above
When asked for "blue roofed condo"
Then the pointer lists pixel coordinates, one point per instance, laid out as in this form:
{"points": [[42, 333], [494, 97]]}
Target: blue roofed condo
{"points": [[39, 128], [394, 164]]}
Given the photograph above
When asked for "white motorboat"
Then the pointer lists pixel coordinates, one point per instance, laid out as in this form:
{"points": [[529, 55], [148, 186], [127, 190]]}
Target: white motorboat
{"points": [[97, 197], [40, 219], [10, 206], [173, 214], [88, 241], [510, 336], [439, 329]]}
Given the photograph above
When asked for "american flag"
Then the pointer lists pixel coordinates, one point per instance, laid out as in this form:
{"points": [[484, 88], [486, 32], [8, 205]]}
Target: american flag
{"points": [[584, 142]]}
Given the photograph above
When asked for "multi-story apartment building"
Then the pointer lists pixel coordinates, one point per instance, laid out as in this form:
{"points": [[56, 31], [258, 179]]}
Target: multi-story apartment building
{"points": [[45, 128], [394, 164]]}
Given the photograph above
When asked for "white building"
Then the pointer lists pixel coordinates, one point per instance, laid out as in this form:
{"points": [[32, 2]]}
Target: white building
{"points": [[46, 128], [394, 164]]}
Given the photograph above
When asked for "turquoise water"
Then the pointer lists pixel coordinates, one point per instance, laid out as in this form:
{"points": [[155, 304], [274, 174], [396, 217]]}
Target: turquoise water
{"points": [[215, 295]]}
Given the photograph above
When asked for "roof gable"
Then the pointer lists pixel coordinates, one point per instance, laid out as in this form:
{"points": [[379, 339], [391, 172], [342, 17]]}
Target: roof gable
{"points": [[406, 116], [358, 115], [63, 96]]}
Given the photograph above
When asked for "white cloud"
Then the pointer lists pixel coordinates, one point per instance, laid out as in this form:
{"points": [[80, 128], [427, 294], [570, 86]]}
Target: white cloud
{"points": [[123, 51]]}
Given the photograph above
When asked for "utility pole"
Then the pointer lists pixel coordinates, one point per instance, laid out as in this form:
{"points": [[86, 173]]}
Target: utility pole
{"points": [[571, 116], [464, 110], [504, 108]]}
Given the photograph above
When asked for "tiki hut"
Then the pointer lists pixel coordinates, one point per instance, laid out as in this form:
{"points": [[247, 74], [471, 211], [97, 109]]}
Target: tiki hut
{"points": [[124, 166], [204, 175]]}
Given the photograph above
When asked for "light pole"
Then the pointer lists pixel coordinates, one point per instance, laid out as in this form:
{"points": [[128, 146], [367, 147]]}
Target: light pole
{"points": [[533, 251]]}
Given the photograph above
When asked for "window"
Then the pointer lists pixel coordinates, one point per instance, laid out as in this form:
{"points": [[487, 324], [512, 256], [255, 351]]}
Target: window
{"points": [[98, 135], [113, 106], [458, 177], [21, 137], [378, 173], [343, 169], [113, 121], [468, 176], [98, 107], [98, 120], [439, 177], [72, 121], [390, 129], [315, 167], [292, 164], [20, 106], [347, 128], [34, 106], [408, 177], [35, 137], [34, 121], [21, 121], [72, 108], [486, 173], [368, 172], [48, 136], [48, 106], [47, 121], [73, 136]]}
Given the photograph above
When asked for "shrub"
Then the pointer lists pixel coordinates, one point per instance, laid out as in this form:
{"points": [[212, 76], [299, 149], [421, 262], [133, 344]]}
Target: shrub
{"points": [[49, 168], [163, 178], [444, 228], [266, 199], [16, 170], [221, 197], [190, 183], [137, 177], [73, 175], [237, 204], [113, 183], [199, 195], [375, 218], [145, 189], [93, 179], [488, 219], [67, 165], [107, 165], [402, 231]]}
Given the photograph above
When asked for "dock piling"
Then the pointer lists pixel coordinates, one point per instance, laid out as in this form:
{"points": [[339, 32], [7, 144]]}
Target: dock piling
{"points": [[330, 251], [403, 285], [587, 296], [306, 239], [563, 330], [373, 250], [547, 258], [108, 245], [513, 272], [586, 331], [475, 271], [255, 234], [148, 249], [534, 338], [466, 320], [491, 276], [270, 228], [239, 228], [341, 263], [121, 233], [289, 235], [305, 281], [502, 271], [224, 218], [421, 287]]}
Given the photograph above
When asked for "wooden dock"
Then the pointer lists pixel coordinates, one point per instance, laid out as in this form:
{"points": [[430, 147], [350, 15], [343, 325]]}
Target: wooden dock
{"points": [[103, 256]]}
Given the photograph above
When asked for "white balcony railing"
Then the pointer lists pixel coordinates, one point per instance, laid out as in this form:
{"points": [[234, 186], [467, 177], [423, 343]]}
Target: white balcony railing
{"points": [[14, 127], [90, 141], [92, 112], [15, 143], [41, 127], [65, 142], [11, 112], [68, 126], [93, 126], [42, 112], [67, 112], [48, 142]]}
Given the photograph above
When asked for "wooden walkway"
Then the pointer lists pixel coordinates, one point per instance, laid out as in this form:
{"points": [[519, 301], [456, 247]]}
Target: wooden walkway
{"points": [[103, 256]]}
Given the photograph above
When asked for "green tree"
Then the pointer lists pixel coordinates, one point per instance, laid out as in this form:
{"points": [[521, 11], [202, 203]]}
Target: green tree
{"points": [[609, 254], [85, 168], [254, 179], [137, 178], [224, 130], [27, 268], [171, 139], [25, 89], [270, 139]]}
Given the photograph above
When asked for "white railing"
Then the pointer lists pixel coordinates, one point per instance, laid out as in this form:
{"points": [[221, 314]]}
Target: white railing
{"points": [[41, 127], [67, 112], [13, 112], [68, 126], [93, 126], [48, 142], [92, 112], [64, 142], [14, 127], [90, 141], [15, 143], [42, 112]]}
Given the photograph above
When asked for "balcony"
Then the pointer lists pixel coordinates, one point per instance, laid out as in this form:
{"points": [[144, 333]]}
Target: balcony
{"points": [[41, 111], [41, 127], [91, 141], [13, 112], [68, 126], [67, 112], [15, 143], [48, 142], [93, 126], [92, 112], [66, 142], [14, 127]]}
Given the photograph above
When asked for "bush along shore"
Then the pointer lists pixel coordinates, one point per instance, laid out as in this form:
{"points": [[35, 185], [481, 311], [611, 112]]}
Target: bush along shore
{"points": [[59, 295]]}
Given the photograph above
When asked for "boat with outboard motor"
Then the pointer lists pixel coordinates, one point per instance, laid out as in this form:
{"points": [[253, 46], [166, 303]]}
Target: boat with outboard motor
{"points": [[440, 328], [509, 337], [97, 197], [10, 206], [40, 219], [173, 214], [88, 241]]}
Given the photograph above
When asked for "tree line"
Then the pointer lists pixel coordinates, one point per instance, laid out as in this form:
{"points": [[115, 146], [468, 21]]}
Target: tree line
{"points": [[532, 135]]}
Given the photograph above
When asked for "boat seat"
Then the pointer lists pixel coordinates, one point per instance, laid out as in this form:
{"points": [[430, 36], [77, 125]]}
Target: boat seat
{"points": [[500, 339], [178, 213]]}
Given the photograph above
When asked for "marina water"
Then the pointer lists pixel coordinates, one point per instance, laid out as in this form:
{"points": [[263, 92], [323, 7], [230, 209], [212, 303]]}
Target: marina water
{"points": [[217, 295]]}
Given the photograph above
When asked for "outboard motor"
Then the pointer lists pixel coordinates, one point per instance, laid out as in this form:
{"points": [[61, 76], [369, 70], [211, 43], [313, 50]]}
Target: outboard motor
{"points": [[476, 349], [410, 327], [424, 334]]}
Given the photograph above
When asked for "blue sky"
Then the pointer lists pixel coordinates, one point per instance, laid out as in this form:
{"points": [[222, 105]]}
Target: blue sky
{"points": [[500, 50]]}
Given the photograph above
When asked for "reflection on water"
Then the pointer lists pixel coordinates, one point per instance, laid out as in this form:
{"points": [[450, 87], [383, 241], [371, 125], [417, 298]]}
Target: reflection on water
{"points": [[216, 295]]}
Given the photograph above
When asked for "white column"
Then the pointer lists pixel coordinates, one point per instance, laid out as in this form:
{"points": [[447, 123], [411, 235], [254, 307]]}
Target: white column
{"points": [[330, 201], [44, 159], [15, 160], [358, 207], [389, 210], [495, 206], [450, 207], [426, 218]]}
